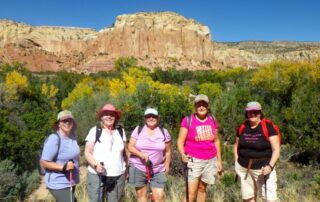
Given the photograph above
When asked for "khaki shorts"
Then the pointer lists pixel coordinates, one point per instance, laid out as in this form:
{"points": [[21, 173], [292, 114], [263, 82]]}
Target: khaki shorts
{"points": [[206, 170], [255, 183]]}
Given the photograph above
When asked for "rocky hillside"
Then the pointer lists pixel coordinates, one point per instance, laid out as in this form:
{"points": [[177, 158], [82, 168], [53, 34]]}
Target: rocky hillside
{"points": [[162, 39]]}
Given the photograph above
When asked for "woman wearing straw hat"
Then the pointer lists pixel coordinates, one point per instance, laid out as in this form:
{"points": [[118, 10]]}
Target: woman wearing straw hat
{"points": [[60, 158], [199, 146], [105, 152], [256, 151]]}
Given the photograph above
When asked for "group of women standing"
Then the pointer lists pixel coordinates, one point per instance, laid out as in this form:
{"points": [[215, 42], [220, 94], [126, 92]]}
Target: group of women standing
{"points": [[148, 165]]}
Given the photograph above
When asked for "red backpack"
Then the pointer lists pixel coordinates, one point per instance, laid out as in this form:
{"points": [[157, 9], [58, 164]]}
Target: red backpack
{"points": [[264, 128]]}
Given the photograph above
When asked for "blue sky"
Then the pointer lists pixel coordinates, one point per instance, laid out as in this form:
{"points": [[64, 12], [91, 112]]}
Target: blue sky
{"points": [[228, 20]]}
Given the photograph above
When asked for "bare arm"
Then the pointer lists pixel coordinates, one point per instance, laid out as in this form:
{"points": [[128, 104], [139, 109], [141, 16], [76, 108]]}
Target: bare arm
{"points": [[217, 144], [168, 157], [88, 154], [235, 149], [51, 165], [134, 151], [275, 146], [180, 143]]}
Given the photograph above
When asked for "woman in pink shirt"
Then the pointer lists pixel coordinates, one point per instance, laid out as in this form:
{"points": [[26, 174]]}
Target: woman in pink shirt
{"points": [[199, 146], [150, 148]]}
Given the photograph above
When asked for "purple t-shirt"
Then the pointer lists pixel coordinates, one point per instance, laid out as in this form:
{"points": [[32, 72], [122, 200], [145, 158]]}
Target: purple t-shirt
{"points": [[199, 141], [69, 149], [155, 146]]}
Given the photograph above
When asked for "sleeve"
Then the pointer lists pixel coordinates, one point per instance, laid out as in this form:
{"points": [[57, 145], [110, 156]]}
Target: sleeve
{"points": [[167, 135], [135, 134], [184, 122], [271, 130], [50, 148], [91, 137]]}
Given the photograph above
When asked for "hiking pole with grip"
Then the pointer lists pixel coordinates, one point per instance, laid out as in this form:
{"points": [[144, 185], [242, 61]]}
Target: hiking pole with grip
{"points": [[148, 172], [186, 171], [99, 189], [71, 180]]}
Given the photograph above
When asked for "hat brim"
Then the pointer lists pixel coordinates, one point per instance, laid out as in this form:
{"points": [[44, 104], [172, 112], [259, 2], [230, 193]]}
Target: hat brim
{"points": [[102, 112], [253, 109], [65, 117]]}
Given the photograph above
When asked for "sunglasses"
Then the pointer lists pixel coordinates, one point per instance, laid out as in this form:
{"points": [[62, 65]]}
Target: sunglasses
{"points": [[151, 116], [254, 112], [67, 121], [202, 104]]}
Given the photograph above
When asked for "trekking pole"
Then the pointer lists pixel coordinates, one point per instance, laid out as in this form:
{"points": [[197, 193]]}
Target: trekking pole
{"points": [[186, 171], [70, 177], [265, 187], [99, 189], [148, 168], [71, 180]]}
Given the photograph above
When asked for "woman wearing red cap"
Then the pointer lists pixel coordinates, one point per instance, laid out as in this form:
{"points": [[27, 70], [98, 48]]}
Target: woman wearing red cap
{"points": [[256, 151], [105, 153]]}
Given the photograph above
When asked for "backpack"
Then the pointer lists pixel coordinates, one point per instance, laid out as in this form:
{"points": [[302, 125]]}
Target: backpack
{"points": [[161, 128], [42, 170], [189, 120], [264, 123], [99, 132]]}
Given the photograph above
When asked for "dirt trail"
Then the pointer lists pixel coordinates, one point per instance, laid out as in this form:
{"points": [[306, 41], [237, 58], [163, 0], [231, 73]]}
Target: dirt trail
{"points": [[39, 194]]}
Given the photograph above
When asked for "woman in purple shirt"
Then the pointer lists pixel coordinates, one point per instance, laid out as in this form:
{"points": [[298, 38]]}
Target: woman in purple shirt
{"points": [[60, 158], [150, 148]]}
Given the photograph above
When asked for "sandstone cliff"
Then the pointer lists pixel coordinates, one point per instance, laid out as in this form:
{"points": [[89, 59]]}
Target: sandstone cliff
{"points": [[162, 39]]}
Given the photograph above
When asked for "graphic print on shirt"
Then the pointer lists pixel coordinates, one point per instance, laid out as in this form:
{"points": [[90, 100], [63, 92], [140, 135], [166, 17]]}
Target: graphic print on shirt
{"points": [[204, 133], [251, 138]]}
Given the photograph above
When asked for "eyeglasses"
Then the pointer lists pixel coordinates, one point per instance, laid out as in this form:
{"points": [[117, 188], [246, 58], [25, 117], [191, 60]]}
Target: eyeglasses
{"points": [[67, 121], [151, 116]]}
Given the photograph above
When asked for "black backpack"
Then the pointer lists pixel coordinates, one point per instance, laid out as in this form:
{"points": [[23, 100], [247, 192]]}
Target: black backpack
{"points": [[99, 131], [42, 170]]}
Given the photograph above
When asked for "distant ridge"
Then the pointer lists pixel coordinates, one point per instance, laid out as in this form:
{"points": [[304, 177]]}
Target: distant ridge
{"points": [[156, 39]]}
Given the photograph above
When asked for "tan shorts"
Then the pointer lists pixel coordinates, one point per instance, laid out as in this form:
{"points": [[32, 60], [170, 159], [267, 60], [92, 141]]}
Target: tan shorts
{"points": [[255, 183], [206, 170]]}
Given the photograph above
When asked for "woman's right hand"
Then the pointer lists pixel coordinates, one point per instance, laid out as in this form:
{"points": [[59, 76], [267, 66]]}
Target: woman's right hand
{"points": [[100, 168], [184, 158], [144, 156]]}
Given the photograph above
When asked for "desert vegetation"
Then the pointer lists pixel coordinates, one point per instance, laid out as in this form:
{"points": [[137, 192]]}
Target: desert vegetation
{"points": [[289, 93]]}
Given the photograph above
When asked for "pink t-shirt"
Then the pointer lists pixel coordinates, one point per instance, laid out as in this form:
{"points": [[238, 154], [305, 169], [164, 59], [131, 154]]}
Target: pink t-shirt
{"points": [[155, 146], [199, 141]]}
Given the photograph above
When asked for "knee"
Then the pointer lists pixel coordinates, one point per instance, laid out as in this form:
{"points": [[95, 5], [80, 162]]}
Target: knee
{"points": [[202, 188]]}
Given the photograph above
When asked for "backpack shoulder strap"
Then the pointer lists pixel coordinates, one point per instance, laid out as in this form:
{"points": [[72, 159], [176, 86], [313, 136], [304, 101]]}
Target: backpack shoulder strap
{"points": [[162, 131], [241, 128], [59, 142], [120, 130], [140, 129], [189, 120], [98, 134], [264, 123]]}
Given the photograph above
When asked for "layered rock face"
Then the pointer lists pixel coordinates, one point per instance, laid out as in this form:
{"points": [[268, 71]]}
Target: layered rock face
{"points": [[163, 39]]}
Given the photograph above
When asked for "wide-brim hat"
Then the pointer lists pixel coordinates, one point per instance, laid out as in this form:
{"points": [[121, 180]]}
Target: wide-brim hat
{"points": [[108, 108], [251, 106]]}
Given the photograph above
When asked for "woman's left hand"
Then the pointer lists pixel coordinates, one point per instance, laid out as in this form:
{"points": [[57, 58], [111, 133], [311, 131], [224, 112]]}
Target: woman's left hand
{"points": [[266, 170]]}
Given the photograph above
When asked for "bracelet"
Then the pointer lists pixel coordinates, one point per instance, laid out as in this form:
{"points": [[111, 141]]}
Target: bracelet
{"points": [[95, 167], [270, 166]]}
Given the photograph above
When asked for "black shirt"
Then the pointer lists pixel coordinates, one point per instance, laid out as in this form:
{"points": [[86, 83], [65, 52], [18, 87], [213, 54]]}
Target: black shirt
{"points": [[254, 145]]}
